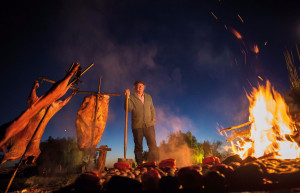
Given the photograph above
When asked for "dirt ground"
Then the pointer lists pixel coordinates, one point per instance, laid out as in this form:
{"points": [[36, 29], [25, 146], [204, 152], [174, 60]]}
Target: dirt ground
{"points": [[37, 184]]}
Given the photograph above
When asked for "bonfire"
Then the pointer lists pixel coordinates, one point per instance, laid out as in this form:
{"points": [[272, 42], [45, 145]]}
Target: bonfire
{"points": [[271, 133]]}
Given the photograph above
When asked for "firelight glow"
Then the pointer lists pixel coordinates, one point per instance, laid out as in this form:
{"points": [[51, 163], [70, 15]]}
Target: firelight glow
{"points": [[271, 124]]}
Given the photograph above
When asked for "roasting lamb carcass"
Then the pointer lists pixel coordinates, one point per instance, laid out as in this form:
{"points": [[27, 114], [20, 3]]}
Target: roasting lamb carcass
{"points": [[36, 119], [18, 143], [85, 121], [57, 91], [34, 146]]}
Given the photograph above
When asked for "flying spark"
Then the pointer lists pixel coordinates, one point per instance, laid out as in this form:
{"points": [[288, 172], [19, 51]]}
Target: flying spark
{"points": [[240, 18], [298, 51], [214, 15], [236, 33], [255, 49]]}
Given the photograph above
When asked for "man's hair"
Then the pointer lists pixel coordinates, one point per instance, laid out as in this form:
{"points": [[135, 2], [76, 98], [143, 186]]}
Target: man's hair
{"points": [[136, 83]]}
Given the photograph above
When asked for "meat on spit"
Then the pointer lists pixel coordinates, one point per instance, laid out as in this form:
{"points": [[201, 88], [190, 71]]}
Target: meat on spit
{"points": [[56, 92], [85, 121], [17, 144]]}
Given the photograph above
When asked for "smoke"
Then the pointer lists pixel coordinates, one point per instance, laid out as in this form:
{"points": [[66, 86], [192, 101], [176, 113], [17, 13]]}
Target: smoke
{"points": [[177, 149], [168, 122], [212, 59], [235, 110]]}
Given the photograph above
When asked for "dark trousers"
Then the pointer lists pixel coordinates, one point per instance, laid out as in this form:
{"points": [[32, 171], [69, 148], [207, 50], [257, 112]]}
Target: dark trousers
{"points": [[149, 134]]}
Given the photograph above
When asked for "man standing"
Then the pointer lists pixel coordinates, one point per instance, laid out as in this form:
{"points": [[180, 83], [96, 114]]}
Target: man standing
{"points": [[143, 119]]}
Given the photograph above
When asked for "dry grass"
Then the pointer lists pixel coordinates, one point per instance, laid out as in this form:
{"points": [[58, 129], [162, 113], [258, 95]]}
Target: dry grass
{"points": [[38, 183]]}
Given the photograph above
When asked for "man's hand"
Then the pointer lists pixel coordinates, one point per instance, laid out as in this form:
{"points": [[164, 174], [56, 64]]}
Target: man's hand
{"points": [[127, 92]]}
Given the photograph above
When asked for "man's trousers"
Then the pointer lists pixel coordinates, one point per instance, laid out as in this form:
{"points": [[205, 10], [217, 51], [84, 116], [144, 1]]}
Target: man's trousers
{"points": [[149, 134]]}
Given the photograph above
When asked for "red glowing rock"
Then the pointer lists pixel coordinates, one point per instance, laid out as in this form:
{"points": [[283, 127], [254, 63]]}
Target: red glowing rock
{"points": [[147, 164], [211, 160], [169, 163], [121, 166]]}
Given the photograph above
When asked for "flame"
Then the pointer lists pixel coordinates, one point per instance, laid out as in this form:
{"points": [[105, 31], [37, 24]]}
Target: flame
{"points": [[271, 124]]}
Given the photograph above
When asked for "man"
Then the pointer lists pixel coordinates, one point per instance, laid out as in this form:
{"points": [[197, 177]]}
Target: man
{"points": [[143, 119]]}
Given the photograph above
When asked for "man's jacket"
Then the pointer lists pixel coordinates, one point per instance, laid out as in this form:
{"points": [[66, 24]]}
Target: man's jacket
{"points": [[143, 115]]}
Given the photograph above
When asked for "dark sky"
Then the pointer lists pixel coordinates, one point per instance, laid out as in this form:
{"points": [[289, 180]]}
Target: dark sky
{"points": [[195, 68]]}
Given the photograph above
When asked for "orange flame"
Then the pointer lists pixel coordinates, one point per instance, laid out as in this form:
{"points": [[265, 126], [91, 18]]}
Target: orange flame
{"points": [[271, 124]]}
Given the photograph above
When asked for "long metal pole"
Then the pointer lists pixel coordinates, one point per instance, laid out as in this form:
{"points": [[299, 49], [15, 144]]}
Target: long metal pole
{"points": [[96, 109], [91, 151], [21, 159], [126, 120]]}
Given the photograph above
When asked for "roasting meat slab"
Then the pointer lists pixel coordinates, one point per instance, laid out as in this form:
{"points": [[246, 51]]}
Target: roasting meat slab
{"points": [[85, 121]]}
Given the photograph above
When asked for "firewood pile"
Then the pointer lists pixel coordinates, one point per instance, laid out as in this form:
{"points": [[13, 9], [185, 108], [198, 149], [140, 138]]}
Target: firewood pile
{"points": [[231, 175]]}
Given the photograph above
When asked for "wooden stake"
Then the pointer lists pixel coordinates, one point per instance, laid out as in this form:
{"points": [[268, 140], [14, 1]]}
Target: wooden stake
{"points": [[126, 120], [76, 78], [52, 81], [236, 127], [13, 176], [242, 133]]}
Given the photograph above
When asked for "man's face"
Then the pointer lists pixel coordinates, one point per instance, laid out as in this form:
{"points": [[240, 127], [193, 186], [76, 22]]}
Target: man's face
{"points": [[140, 88]]}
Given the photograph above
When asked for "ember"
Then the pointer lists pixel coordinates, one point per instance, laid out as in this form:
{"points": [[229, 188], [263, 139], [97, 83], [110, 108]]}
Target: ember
{"points": [[236, 33]]}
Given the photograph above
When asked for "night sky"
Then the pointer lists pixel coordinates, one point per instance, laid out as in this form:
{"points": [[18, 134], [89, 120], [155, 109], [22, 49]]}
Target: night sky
{"points": [[195, 68]]}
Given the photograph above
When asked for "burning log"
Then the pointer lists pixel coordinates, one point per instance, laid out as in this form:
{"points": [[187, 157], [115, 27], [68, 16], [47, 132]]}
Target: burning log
{"points": [[293, 138], [269, 156], [242, 133], [236, 127]]}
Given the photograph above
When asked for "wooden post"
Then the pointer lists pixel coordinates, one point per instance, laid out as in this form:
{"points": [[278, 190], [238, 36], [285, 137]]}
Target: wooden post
{"points": [[126, 120], [102, 157]]}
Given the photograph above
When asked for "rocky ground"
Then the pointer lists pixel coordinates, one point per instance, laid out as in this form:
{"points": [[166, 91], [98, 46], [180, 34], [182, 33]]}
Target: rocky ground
{"points": [[232, 175]]}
